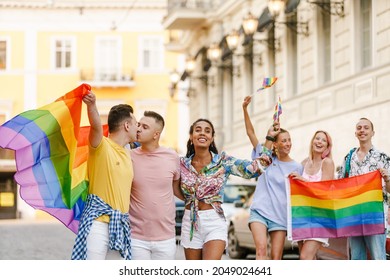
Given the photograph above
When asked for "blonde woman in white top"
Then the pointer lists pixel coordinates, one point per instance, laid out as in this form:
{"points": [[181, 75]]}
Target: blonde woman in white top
{"points": [[319, 166]]}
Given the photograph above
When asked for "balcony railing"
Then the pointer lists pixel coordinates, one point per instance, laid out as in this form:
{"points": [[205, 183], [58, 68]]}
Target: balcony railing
{"points": [[108, 77], [188, 14], [193, 4]]}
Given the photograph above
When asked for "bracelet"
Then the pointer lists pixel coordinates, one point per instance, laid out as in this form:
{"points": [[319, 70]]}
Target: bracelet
{"points": [[270, 138]]}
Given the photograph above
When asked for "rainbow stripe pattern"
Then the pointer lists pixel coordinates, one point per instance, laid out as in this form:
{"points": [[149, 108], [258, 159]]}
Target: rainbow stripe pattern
{"points": [[336, 208], [51, 151], [267, 83], [278, 110]]}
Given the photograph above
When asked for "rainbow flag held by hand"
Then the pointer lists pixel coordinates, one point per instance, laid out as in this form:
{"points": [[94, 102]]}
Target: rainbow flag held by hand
{"points": [[336, 208], [278, 110], [51, 151], [267, 83]]}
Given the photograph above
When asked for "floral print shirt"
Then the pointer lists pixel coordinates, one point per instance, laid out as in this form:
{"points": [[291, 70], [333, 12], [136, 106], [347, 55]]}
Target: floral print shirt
{"points": [[373, 160], [208, 185]]}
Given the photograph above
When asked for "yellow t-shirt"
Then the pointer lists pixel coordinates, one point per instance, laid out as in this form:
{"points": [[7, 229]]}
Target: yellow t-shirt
{"points": [[110, 172]]}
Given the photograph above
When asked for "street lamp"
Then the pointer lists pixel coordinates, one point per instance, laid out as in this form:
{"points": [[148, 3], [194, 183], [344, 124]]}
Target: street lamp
{"points": [[214, 52], [233, 39], [190, 65], [250, 24], [275, 7], [174, 78]]}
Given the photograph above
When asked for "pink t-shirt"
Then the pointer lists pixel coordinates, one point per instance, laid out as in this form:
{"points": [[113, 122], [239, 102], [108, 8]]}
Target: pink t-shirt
{"points": [[152, 205]]}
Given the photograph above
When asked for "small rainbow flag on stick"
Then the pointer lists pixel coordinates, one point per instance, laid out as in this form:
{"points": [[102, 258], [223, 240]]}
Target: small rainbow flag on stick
{"points": [[278, 110], [267, 83], [336, 208], [51, 151]]}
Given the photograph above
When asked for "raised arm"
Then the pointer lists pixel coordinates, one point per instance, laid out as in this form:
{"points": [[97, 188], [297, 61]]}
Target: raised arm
{"points": [[250, 131], [96, 132]]}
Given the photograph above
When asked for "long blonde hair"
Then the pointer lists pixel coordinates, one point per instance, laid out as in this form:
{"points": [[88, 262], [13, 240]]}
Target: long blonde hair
{"points": [[328, 150]]}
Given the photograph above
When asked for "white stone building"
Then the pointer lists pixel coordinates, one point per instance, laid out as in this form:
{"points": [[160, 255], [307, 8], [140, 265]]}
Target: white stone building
{"points": [[332, 60]]}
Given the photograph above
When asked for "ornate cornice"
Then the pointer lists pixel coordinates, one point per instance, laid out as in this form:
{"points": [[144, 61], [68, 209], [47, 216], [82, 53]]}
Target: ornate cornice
{"points": [[84, 4]]}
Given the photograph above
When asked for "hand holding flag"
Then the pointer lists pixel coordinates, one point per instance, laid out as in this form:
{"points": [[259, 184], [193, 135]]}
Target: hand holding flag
{"points": [[278, 110], [51, 151]]}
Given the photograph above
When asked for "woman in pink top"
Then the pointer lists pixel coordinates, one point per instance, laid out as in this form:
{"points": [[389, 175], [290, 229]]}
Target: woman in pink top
{"points": [[319, 166]]}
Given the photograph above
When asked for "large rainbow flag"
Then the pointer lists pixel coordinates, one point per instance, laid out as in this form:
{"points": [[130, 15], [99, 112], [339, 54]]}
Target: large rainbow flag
{"points": [[51, 151], [337, 208]]}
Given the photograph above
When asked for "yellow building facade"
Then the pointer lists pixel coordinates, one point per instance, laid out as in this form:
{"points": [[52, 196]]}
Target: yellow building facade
{"points": [[48, 48]]}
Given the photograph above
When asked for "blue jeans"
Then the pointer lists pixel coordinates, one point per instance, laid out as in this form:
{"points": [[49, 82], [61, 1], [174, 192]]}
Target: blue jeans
{"points": [[375, 244]]}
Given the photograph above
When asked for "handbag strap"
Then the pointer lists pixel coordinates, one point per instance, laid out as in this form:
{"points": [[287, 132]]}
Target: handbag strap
{"points": [[348, 163]]}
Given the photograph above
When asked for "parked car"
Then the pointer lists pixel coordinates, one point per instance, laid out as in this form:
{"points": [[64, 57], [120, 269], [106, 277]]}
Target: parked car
{"points": [[236, 191], [240, 239], [179, 215]]}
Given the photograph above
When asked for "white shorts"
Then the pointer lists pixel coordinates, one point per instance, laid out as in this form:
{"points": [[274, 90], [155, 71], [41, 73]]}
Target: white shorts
{"points": [[153, 250], [211, 226], [324, 241]]}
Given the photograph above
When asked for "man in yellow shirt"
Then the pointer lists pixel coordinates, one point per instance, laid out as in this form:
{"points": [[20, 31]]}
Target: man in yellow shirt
{"points": [[104, 231]]}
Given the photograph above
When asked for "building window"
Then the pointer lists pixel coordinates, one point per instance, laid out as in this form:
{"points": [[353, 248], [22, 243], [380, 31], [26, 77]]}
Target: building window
{"points": [[365, 30], [292, 58], [325, 46], [151, 53], [3, 54], [108, 59], [272, 97], [63, 51]]}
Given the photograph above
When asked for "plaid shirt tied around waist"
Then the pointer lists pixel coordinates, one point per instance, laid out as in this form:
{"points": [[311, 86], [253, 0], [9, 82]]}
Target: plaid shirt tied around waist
{"points": [[118, 228]]}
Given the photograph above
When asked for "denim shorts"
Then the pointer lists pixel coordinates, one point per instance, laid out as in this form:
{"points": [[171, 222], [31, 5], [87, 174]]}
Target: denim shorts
{"points": [[257, 217], [211, 227]]}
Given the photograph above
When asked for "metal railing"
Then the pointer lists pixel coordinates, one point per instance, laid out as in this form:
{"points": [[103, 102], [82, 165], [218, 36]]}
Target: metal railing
{"points": [[107, 75], [202, 5]]}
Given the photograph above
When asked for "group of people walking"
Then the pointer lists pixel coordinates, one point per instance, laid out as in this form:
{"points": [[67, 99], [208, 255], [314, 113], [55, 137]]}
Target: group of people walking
{"points": [[130, 210]]}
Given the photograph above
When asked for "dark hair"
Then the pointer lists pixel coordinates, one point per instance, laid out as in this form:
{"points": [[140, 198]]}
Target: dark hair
{"points": [[157, 117], [190, 145], [372, 125], [117, 114], [280, 131]]}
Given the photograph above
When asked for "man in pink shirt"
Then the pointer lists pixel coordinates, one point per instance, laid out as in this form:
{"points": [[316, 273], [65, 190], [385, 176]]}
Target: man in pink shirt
{"points": [[156, 181]]}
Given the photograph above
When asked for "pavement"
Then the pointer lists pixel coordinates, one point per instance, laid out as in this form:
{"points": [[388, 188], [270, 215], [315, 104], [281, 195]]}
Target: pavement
{"points": [[23, 239], [35, 240]]}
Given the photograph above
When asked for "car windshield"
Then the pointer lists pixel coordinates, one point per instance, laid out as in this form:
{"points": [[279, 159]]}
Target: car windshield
{"points": [[236, 192]]}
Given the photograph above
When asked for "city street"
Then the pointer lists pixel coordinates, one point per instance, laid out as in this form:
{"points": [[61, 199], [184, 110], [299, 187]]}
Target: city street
{"points": [[41, 240]]}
